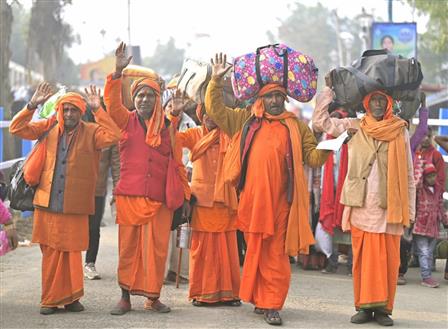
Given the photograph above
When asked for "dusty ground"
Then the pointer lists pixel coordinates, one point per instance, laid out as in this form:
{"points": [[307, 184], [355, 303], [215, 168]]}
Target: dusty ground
{"points": [[315, 300]]}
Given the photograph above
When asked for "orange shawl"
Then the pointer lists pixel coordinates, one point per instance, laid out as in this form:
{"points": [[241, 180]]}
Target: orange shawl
{"points": [[298, 234], [224, 192], [391, 130], [71, 98], [155, 123]]}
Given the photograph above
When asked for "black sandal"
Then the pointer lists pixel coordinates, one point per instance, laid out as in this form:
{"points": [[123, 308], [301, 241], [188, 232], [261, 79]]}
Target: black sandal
{"points": [[272, 317], [235, 302], [258, 310], [197, 303]]}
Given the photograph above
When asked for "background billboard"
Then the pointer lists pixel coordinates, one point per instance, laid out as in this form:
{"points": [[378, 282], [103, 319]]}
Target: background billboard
{"points": [[399, 38]]}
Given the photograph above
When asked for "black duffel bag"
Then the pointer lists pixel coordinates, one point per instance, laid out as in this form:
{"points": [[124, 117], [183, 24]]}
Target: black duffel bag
{"points": [[378, 70], [20, 194]]}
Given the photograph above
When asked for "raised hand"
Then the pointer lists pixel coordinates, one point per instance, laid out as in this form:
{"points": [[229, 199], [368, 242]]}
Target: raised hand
{"points": [[220, 66], [325, 97], [43, 92], [121, 59], [179, 101], [93, 97]]}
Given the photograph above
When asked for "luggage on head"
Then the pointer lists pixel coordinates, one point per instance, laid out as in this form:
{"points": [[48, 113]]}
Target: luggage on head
{"points": [[129, 75], [379, 70], [194, 78], [276, 63]]}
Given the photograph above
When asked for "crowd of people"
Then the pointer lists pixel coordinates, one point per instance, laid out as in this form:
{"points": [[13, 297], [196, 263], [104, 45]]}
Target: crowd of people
{"points": [[226, 168]]}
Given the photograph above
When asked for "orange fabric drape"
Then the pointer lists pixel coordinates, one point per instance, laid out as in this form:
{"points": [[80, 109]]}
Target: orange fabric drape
{"points": [[63, 232], [266, 270], [376, 260], [155, 123], [142, 254], [62, 277], [71, 98], [214, 267], [214, 219], [135, 210], [391, 129]]}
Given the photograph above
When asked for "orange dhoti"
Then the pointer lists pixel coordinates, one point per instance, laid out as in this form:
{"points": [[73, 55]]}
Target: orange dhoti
{"points": [[376, 260], [266, 271], [143, 246], [62, 237], [214, 262]]}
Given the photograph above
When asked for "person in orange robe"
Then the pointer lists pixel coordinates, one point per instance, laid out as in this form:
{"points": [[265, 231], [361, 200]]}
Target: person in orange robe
{"points": [[273, 209], [379, 199], [143, 215], [214, 263], [65, 194]]}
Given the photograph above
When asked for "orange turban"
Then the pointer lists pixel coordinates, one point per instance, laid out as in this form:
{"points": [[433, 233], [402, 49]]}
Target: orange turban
{"points": [[258, 107], [155, 123], [70, 98], [388, 113]]}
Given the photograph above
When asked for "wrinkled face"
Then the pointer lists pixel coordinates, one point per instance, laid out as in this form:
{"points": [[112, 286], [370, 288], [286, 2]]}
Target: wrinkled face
{"points": [[378, 105], [427, 140], [144, 102], [208, 122], [71, 115], [274, 103], [430, 179]]}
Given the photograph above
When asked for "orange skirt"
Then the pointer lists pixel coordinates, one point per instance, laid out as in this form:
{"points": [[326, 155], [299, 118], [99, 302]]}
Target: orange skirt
{"points": [[214, 267], [62, 277], [376, 260], [142, 254]]}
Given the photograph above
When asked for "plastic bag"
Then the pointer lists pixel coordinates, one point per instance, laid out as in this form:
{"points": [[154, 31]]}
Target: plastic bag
{"points": [[47, 109], [324, 241]]}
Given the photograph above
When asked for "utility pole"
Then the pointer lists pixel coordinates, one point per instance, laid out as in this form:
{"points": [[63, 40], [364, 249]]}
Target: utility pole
{"points": [[129, 22], [338, 38], [389, 10]]}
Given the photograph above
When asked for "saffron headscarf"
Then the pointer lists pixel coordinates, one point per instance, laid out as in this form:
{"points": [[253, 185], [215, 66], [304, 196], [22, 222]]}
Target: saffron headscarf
{"points": [[155, 123], [258, 107], [391, 129], [71, 98]]}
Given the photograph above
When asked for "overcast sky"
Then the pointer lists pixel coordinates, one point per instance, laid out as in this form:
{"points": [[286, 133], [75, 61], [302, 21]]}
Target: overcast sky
{"points": [[234, 26]]}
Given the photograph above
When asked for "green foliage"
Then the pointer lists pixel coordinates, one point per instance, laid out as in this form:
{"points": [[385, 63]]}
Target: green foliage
{"points": [[436, 36], [19, 35], [49, 34], [312, 31], [167, 59]]}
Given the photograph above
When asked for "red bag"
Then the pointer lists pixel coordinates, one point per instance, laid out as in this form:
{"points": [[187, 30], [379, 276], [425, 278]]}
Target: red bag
{"points": [[174, 190]]}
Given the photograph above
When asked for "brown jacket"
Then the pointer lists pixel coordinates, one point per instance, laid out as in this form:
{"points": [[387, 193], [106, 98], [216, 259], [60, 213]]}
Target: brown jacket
{"points": [[82, 161]]}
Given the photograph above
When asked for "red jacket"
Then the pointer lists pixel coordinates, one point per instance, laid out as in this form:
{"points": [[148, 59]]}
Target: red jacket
{"points": [[143, 169]]}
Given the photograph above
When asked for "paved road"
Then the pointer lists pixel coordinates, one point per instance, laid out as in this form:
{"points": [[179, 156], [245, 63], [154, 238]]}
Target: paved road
{"points": [[315, 300]]}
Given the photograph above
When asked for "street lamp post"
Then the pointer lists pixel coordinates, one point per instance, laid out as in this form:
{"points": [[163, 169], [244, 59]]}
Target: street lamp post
{"points": [[365, 21]]}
